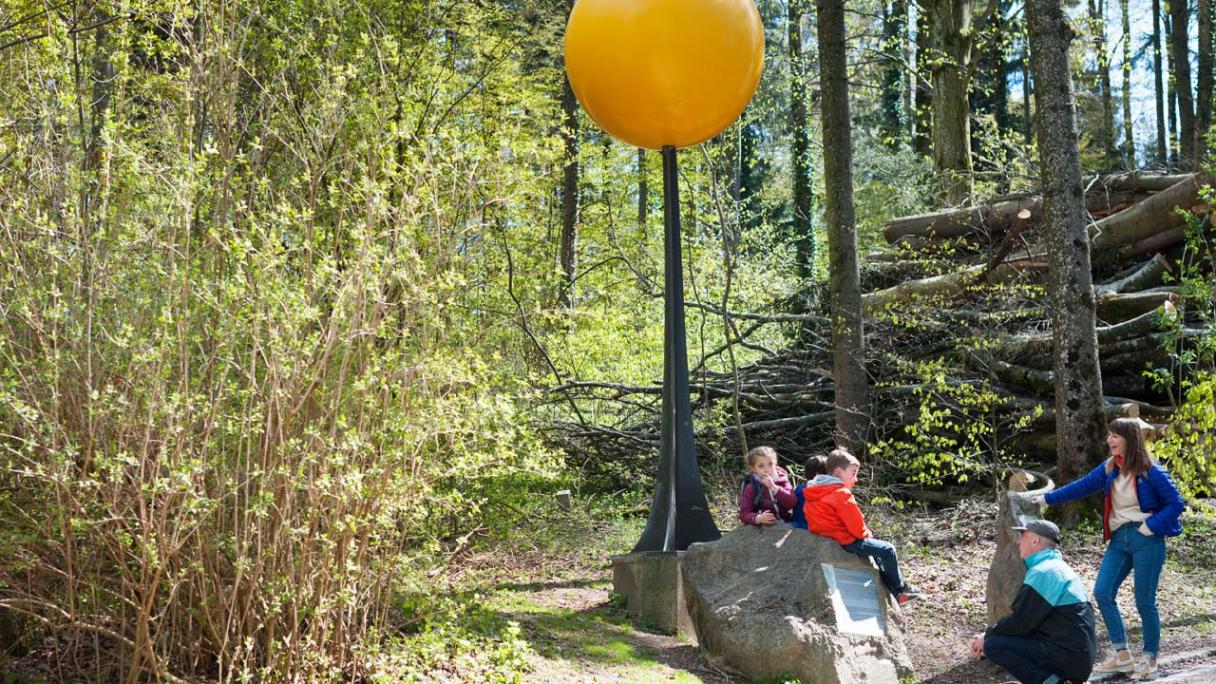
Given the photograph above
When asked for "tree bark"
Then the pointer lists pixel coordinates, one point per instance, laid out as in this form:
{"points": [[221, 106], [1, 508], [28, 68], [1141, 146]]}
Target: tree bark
{"points": [[1158, 86], [1150, 217], [1078, 380], [569, 238], [1097, 22], [1129, 137], [848, 344], [1148, 275], [1203, 95], [1179, 39], [923, 115], [1171, 90], [951, 20], [803, 229], [643, 196], [894, 27], [1027, 90], [1111, 196]]}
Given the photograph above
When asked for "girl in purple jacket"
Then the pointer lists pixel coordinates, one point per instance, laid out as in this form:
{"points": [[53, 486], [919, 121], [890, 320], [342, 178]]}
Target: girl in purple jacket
{"points": [[1142, 507], [765, 495]]}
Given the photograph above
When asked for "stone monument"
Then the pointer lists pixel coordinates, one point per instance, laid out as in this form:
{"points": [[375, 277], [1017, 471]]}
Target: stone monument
{"points": [[777, 601], [1007, 570]]}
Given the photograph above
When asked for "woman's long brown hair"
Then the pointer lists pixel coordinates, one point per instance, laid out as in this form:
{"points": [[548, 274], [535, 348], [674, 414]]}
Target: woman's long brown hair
{"points": [[1136, 457]]}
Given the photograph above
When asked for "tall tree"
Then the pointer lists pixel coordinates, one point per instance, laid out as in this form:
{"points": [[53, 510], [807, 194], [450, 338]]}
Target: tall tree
{"points": [[1027, 89], [1171, 90], [894, 30], [1203, 86], [949, 62], [990, 88], [569, 239], [844, 275], [1129, 137], [1097, 25], [752, 170], [800, 127], [1159, 87], [1078, 379], [1180, 61], [923, 113], [643, 194]]}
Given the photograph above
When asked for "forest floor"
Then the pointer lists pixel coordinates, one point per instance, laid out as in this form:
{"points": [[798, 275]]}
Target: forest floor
{"points": [[544, 594], [579, 632]]}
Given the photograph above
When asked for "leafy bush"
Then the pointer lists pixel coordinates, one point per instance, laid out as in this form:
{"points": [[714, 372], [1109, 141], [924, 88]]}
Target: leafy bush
{"points": [[241, 388]]}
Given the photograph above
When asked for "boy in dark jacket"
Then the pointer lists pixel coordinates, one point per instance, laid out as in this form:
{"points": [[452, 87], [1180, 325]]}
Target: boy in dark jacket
{"points": [[1048, 636], [814, 467]]}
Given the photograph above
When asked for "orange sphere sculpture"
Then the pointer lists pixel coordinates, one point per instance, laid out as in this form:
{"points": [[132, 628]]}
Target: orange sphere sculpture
{"points": [[664, 72]]}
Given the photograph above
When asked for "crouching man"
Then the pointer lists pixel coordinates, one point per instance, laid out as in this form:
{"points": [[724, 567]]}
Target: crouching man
{"points": [[1048, 636]]}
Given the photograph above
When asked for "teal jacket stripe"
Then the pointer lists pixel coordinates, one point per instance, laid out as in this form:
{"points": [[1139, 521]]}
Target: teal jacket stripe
{"points": [[1051, 577]]}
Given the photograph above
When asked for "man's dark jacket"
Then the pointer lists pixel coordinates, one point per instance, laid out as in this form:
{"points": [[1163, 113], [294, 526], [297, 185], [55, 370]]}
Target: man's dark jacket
{"points": [[1052, 605]]}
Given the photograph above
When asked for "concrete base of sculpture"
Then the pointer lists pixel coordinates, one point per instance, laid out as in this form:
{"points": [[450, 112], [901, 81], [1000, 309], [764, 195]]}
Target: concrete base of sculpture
{"points": [[653, 589], [778, 602]]}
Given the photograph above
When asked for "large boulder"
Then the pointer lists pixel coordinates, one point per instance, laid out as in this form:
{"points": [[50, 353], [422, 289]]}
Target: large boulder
{"points": [[778, 601]]}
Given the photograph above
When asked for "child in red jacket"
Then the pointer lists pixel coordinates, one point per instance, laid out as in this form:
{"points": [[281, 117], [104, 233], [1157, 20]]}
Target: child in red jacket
{"points": [[831, 511], [765, 495]]}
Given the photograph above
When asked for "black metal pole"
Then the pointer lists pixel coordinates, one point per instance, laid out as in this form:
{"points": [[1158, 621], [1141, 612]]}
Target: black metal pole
{"points": [[679, 513]]}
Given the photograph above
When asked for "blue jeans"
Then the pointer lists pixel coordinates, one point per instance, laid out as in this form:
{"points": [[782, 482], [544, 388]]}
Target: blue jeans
{"points": [[1130, 551], [1035, 661], [883, 553]]}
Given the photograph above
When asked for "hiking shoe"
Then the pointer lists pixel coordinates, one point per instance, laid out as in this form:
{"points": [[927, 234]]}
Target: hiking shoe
{"points": [[1145, 670], [1121, 661], [908, 593]]}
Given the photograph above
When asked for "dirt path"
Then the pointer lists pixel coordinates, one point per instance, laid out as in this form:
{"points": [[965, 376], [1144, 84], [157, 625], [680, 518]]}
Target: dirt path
{"points": [[581, 635]]}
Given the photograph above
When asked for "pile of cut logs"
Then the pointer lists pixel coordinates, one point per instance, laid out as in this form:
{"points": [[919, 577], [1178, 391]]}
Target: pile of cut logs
{"points": [[962, 288]]}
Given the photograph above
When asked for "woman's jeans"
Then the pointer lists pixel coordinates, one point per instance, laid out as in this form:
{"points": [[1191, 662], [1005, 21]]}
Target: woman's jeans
{"points": [[883, 553], [1128, 552]]}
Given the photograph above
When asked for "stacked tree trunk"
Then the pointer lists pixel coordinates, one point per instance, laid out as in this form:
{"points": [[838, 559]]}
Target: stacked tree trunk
{"points": [[961, 288]]}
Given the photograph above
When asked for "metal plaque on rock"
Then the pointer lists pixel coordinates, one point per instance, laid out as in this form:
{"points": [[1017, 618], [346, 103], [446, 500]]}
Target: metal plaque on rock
{"points": [[855, 598]]}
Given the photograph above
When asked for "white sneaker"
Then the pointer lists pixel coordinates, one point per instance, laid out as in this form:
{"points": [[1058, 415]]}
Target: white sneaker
{"points": [[1145, 670], [1121, 661]]}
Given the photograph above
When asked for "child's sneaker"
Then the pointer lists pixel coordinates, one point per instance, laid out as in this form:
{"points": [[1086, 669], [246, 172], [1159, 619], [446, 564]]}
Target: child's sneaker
{"points": [[1145, 670], [908, 593], [1121, 661]]}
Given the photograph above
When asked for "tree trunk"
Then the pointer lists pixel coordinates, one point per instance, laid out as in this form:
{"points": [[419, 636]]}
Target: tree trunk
{"points": [[1027, 79], [1179, 38], [1159, 88], [750, 176], [907, 50], [1129, 137], [1171, 90], [1079, 425], [951, 110], [1203, 102], [894, 25], [1148, 218], [802, 228], [923, 114], [1097, 23], [989, 90], [569, 239], [643, 196], [848, 350]]}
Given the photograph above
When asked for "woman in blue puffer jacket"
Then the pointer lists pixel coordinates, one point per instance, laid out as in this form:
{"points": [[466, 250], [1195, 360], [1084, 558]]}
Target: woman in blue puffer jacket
{"points": [[1142, 508]]}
